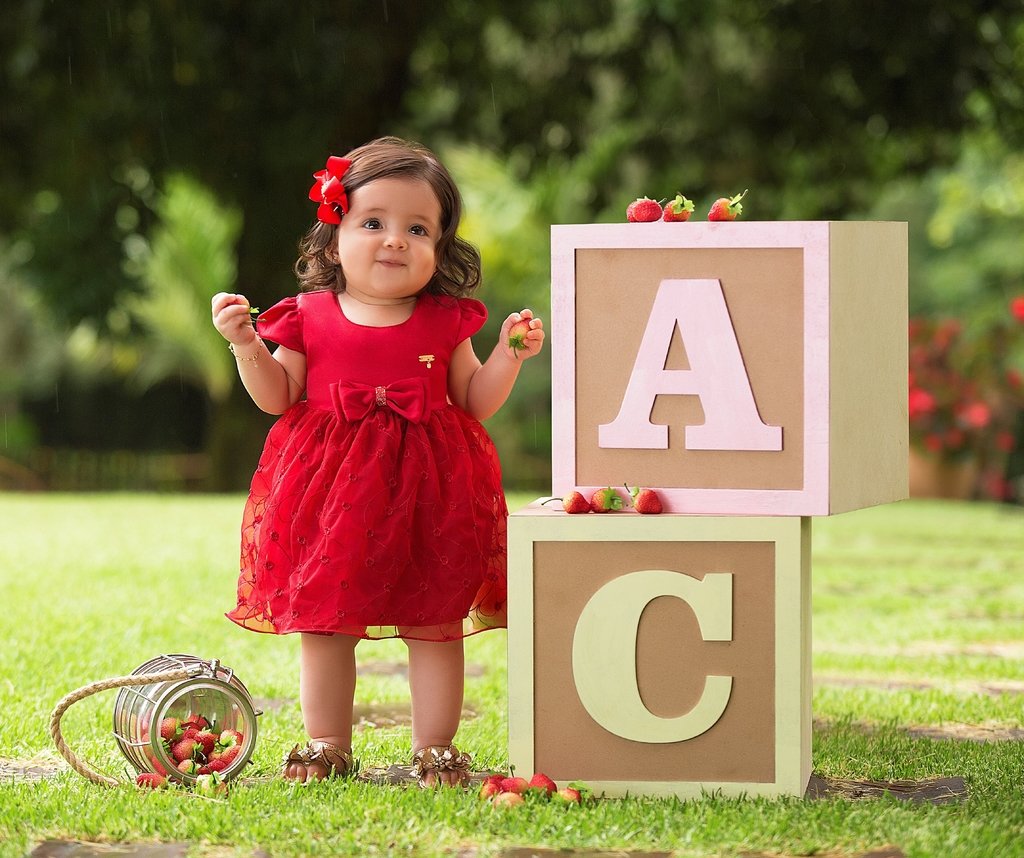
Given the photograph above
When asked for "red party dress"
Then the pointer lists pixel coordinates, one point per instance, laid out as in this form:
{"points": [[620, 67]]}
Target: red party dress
{"points": [[377, 508]]}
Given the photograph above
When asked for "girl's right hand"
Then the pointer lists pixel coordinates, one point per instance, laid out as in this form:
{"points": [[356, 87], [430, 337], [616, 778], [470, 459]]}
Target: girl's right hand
{"points": [[231, 317]]}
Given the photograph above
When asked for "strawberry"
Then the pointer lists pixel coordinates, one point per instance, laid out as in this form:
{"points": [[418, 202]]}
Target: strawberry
{"points": [[489, 788], [568, 795], [573, 503], [517, 335], [645, 501], [726, 208], [151, 780], [507, 799], [208, 740], [604, 500], [211, 785], [643, 210], [188, 767], [230, 737], [170, 729], [542, 783], [678, 210], [516, 785], [225, 755], [216, 764], [185, 749], [195, 720]]}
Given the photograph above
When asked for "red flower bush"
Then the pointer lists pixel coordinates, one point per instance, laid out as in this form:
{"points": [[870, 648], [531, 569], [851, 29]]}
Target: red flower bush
{"points": [[965, 395], [1017, 308]]}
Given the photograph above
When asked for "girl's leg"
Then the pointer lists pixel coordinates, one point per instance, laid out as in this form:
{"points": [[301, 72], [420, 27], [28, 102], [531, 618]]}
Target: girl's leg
{"points": [[327, 685], [436, 680]]}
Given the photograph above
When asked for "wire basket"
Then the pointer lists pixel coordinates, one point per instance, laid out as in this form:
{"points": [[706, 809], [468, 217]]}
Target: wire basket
{"points": [[161, 710]]}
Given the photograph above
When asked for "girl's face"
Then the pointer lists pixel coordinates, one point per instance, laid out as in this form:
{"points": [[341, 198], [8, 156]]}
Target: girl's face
{"points": [[387, 240]]}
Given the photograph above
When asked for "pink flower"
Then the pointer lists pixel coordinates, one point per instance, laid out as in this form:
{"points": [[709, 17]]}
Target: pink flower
{"points": [[920, 402], [1017, 308], [976, 414]]}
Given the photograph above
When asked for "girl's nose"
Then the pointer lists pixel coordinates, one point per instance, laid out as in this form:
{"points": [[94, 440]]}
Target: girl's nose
{"points": [[394, 239]]}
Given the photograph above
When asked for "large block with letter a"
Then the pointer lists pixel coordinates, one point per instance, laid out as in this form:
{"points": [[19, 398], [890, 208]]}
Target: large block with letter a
{"points": [[746, 368], [660, 655]]}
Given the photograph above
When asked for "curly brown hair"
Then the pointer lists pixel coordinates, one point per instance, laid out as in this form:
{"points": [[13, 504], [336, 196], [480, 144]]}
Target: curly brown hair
{"points": [[458, 261]]}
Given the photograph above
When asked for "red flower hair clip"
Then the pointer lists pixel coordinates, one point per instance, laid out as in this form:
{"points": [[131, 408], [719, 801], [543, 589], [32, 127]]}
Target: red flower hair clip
{"points": [[329, 191]]}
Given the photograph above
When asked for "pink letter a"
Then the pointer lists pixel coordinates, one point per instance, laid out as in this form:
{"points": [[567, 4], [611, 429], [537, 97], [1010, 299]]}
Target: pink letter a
{"points": [[716, 375]]}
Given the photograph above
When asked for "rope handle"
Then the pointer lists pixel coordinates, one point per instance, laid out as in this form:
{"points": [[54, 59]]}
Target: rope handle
{"points": [[94, 688]]}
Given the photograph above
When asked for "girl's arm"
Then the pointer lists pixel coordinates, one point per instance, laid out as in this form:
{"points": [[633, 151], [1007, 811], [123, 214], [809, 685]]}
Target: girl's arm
{"points": [[481, 389], [275, 381]]}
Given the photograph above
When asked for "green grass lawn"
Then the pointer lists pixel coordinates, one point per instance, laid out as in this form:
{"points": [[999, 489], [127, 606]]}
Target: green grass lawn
{"points": [[918, 623]]}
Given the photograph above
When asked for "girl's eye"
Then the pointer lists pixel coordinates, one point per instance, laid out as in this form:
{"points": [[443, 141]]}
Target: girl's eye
{"points": [[418, 230], [372, 223]]}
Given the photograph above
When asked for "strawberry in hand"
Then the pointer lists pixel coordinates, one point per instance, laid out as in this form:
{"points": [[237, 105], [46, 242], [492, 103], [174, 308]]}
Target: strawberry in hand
{"points": [[523, 333]]}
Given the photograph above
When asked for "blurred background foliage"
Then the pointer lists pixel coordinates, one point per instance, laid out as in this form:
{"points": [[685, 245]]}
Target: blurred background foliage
{"points": [[156, 151]]}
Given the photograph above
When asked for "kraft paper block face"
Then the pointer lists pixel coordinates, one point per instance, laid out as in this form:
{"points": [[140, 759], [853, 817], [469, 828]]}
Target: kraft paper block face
{"points": [[741, 368], [660, 655]]}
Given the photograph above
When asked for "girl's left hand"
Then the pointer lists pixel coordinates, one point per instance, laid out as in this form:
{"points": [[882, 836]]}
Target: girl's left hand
{"points": [[529, 338]]}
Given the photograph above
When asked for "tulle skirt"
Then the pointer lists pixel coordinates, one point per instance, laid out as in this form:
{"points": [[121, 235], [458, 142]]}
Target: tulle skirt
{"points": [[376, 528]]}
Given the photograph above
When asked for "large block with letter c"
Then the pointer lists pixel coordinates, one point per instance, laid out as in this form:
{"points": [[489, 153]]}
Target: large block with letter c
{"points": [[660, 655], [752, 368]]}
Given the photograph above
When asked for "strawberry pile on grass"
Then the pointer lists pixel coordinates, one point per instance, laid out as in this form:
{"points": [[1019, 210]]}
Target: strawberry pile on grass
{"points": [[511, 791], [211, 785], [196, 747]]}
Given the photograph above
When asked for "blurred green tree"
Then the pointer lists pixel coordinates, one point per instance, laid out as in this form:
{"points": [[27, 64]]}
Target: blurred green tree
{"points": [[814, 105], [581, 106], [189, 258], [31, 347]]}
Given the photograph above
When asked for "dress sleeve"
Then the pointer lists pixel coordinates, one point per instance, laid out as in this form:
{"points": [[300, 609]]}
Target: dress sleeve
{"points": [[282, 324], [472, 315]]}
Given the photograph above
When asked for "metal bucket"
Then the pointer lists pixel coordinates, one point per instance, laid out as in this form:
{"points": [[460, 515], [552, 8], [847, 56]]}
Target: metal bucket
{"points": [[152, 720]]}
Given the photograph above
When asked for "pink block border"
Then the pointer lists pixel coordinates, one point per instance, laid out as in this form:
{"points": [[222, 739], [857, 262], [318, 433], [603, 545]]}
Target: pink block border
{"points": [[810, 236]]}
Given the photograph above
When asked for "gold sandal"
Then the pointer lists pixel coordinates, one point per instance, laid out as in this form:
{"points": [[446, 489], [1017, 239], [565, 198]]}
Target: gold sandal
{"points": [[440, 758], [337, 761]]}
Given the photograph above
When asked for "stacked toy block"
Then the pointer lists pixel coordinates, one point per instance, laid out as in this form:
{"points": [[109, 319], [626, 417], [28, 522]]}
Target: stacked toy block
{"points": [[754, 374]]}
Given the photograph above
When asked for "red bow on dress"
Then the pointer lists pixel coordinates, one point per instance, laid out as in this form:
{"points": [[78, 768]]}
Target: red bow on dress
{"points": [[329, 191], [407, 397]]}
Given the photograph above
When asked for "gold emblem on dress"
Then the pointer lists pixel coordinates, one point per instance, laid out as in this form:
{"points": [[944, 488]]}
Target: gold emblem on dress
{"points": [[427, 359]]}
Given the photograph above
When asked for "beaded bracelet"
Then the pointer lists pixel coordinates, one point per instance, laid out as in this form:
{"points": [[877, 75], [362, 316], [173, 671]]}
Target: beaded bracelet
{"points": [[253, 357]]}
